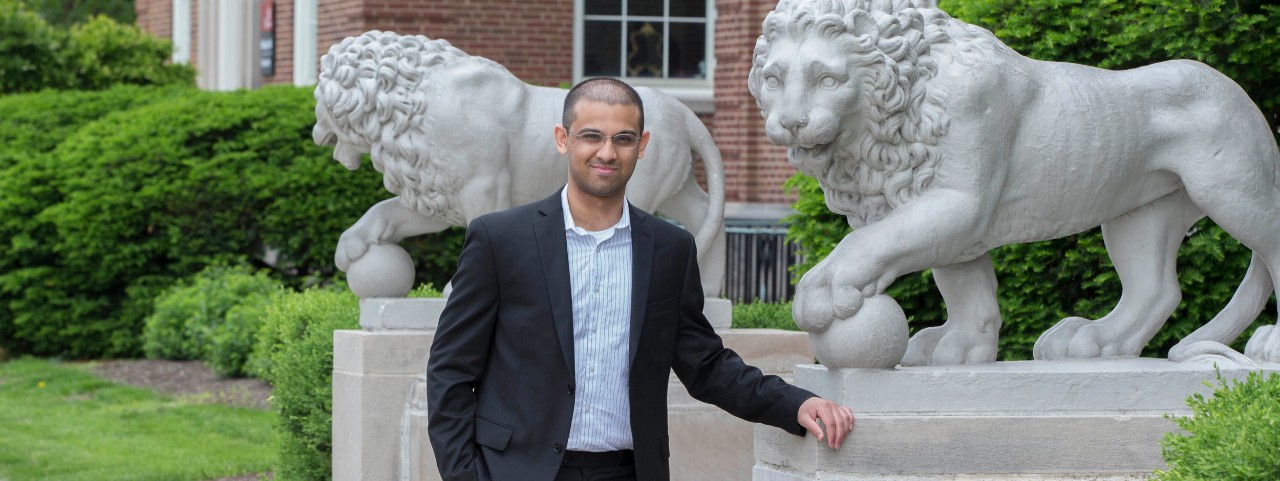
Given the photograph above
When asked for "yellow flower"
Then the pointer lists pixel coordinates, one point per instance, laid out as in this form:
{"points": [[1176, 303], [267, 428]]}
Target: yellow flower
{"points": [[40, 385]]}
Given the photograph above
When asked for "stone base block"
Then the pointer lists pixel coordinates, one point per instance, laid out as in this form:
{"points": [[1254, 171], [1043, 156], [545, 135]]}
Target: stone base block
{"points": [[391, 313], [719, 313], [1089, 419], [372, 376]]}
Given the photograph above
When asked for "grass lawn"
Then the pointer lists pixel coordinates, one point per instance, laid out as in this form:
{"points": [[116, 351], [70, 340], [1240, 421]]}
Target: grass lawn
{"points": [[59, 422]]}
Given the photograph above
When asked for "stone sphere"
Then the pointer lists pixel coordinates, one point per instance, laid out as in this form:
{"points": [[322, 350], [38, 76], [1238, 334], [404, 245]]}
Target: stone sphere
{"points": [[385, 270], [875, 337]]}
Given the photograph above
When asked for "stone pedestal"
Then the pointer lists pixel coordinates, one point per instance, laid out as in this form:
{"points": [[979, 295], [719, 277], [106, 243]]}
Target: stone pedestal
{"points": [[379, 411], [373, 371], [1034, 420]]}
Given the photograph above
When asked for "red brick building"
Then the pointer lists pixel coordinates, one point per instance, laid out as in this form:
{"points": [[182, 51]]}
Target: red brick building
{"points": [[697, 50]]}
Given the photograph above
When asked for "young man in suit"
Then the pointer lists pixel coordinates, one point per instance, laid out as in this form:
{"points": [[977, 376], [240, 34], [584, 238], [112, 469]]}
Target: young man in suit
{"points": [[552, 355]]}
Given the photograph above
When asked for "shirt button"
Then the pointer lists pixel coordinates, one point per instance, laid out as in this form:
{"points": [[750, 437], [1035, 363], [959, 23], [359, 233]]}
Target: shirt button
{"points": [[570, 389], [557, 447]]}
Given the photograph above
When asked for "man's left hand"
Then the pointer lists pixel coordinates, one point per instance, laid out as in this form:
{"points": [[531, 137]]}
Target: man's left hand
{"points": [[837, 420]]}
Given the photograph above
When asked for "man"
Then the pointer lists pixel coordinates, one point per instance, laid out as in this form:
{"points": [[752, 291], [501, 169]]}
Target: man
{"points": [[552, 355]]}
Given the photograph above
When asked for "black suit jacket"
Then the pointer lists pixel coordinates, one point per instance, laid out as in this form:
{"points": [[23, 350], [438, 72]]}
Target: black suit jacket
{"points": [[500, 380]]}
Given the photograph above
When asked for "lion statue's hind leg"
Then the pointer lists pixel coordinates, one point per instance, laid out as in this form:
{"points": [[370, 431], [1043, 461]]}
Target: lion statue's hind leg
{"points": [[1143, 246], [972, 330]]}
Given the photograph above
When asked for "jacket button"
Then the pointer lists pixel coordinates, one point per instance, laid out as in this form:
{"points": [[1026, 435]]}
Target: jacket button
{"points": [[570, 389], [557, 447]]}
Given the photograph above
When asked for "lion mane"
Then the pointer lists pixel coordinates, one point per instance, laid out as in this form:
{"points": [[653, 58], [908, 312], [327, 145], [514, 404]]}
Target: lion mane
{"points": [[375, 87], [888, 44]]}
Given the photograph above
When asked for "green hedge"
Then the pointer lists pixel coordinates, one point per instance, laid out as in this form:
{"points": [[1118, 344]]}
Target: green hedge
{"points": [[126, 205], [1043, 282], [1235, 434], [99, 53], [297, 338]]}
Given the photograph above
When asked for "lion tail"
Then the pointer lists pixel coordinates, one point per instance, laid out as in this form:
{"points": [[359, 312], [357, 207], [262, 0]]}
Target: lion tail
{"points": [[713, 168], [1244, 307]]}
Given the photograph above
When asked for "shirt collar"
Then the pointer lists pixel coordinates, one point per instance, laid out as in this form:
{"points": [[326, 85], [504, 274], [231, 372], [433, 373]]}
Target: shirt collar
{"points": [[570, 225]]}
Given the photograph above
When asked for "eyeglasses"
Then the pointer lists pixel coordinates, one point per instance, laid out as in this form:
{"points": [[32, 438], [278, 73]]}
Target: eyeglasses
{"points": [[597, 139]]}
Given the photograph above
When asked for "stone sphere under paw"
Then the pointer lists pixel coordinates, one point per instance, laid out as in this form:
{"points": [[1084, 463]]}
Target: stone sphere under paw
{"points": [[875, 337], [385, 270]]}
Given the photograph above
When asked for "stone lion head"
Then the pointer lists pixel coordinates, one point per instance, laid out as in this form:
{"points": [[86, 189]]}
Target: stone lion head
{"points": [[372, 96], [844, 84]]}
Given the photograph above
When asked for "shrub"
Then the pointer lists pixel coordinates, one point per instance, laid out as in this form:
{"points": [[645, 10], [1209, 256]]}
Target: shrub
{"points": [[137, 199], [763, 315], [297, 335], [35, 55], [1233, 435], [214, 316], [31, 127], [108, 53], [70, 12], [30, 50], [1043, 282]]}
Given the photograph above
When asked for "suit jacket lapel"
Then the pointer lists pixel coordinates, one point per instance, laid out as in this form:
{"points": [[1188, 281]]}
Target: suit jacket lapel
{"points": [[555, 266], [641, 271]]}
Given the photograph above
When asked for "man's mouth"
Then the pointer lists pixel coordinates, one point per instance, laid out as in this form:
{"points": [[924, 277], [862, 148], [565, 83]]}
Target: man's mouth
{"points": [[603, 169]]}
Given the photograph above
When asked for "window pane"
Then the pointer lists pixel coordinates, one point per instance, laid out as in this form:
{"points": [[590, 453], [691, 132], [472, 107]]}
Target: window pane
{"points": [[604, 7], [688, 50], [688, 8], [645, 7], [644, 49], [601, 49]]}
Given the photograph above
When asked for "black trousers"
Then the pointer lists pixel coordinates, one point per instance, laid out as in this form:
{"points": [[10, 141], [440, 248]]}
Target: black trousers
{"points": [[608, 466], [616, 473]]}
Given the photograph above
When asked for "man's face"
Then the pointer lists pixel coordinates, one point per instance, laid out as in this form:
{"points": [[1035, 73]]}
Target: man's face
{"points": [[603, 169]]}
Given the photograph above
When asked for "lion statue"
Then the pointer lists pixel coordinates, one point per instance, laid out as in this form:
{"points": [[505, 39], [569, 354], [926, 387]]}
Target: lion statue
{"points": [[457, 136], [940, 143]]}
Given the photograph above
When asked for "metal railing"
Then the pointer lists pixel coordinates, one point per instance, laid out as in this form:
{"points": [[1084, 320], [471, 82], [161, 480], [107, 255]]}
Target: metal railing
{"points": [[758, 263]]}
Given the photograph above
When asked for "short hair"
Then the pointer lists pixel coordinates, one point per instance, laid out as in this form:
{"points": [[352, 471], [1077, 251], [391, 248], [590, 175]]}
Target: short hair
{"points": [[601, 89]]}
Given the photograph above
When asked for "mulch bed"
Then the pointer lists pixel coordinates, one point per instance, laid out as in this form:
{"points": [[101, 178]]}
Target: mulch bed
{"points": [[187, 380]]}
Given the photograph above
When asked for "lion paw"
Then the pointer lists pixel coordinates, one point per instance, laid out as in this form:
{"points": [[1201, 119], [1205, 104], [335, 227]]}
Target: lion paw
{"points": [[1264, 346], [944, 346], [1056, 343]]}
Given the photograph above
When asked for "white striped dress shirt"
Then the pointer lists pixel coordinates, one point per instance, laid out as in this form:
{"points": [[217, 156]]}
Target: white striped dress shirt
{"points": [[600, 277]]}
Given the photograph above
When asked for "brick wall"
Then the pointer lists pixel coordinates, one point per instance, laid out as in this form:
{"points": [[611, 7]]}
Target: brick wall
{"points": [[155, 16], [284, 44], [754, 168]]}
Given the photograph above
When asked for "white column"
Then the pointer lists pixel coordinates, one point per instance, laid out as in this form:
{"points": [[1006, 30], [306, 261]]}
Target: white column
{"points": [[181, 31], [304, 42]]}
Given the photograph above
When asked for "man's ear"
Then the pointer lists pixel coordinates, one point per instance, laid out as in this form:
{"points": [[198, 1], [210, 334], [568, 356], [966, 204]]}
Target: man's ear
{"points": [[562, 139], [644, 142]]}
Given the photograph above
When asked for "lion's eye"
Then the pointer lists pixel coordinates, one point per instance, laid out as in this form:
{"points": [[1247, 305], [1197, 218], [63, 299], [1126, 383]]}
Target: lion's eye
{"points": [[771, 81], [828, 81]]}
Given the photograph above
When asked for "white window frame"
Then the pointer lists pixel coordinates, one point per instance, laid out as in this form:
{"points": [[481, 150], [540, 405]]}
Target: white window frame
{"points": [[696, 93]]}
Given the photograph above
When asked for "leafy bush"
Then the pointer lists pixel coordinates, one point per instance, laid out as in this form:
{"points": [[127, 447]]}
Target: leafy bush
{"points": [[297, 336], [30, 50], [1043, 282], [35, 55], [1233, 435], [214, 316], [108, 53], [763, 315], [130, 203]]}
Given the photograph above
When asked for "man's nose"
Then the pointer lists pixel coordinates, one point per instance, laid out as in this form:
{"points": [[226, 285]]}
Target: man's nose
{"points": [[607, 150]]}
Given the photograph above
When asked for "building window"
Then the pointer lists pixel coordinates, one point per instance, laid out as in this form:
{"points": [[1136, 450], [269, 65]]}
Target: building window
{"points": [[658, 43]]}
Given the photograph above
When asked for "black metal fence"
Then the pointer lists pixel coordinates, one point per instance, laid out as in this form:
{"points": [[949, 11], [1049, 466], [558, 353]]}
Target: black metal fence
{"points": [[759, 262]]}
